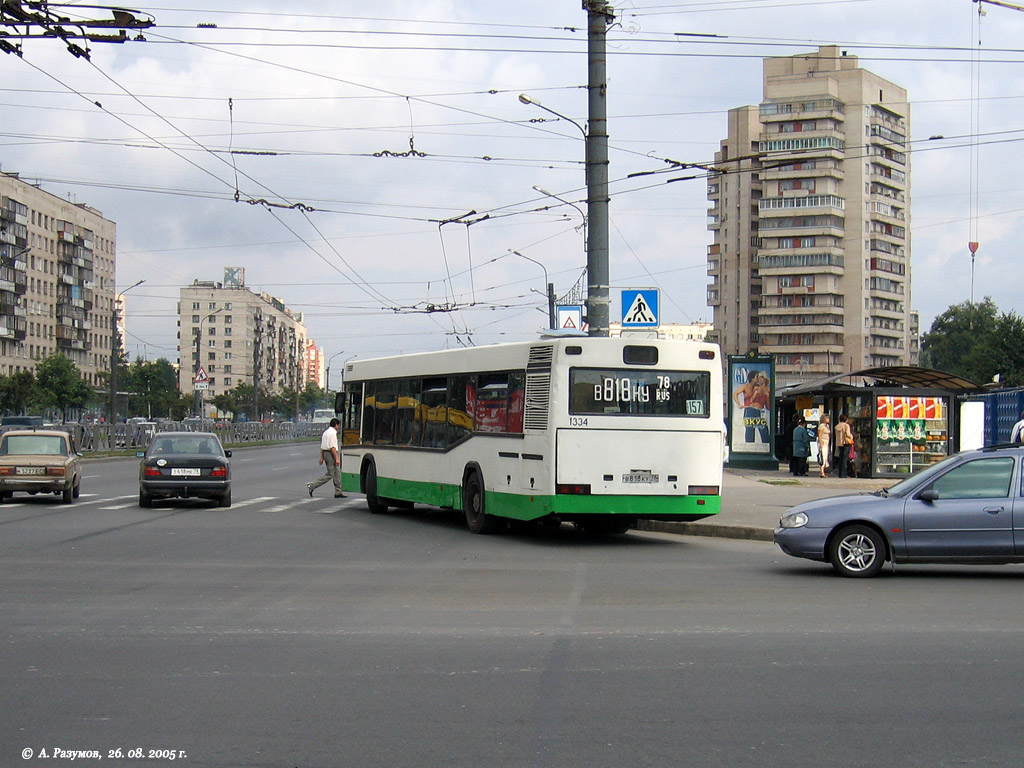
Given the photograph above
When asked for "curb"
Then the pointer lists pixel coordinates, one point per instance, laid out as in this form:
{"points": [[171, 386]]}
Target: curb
{"points": [[747, 532]]}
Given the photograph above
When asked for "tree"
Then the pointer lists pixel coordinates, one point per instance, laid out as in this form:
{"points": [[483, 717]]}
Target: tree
{"points": [[312, 397], [152, 387], [60, 386], [18, 391], [977, 342]]}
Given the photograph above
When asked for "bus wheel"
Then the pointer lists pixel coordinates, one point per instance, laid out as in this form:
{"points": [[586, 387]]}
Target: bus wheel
{"points": [[373, 501], [477, 519]]}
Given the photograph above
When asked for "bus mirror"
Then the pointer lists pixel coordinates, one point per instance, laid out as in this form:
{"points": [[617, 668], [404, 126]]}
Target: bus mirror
{"points": [[339, 402]]}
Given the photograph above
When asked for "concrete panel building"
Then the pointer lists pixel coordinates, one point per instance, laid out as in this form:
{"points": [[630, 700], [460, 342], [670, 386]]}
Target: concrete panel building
{"points": [[238, 337], [810, 214], [57, 267]]}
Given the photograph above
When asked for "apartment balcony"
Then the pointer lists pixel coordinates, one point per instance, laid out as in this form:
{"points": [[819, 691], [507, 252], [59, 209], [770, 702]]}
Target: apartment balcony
{"points": [[809, 109], [786, 171], [828, 343], [13, 328], [775, 263], [889, 176]]}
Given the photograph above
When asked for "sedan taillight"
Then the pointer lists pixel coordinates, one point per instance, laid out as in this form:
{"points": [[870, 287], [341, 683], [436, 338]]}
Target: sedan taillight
{"points": [[219, 472], [151, 472]]}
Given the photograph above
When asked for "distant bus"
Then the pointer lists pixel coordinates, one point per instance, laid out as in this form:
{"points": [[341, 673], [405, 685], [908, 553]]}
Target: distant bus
{"points": [[600, 432], [323, 416]]}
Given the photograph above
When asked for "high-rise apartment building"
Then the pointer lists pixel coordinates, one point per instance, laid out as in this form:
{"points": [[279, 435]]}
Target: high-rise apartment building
{"points": [[57, 266], [810, 213], [238, 337]]}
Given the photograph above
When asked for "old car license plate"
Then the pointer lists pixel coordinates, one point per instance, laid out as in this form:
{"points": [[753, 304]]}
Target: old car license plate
{"points": [[31, 470], [639, 477], [186, 471]]}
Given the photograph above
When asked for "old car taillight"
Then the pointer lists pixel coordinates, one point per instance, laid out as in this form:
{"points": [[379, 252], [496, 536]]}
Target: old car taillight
{"points": [[151, 472], [219, 472]]}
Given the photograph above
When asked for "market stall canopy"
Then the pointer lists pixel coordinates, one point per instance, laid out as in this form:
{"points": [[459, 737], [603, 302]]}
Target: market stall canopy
{"points": [[899, 375]]}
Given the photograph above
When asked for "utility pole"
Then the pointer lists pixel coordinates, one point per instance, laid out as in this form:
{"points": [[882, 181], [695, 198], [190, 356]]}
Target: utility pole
{"points": [[115, 353], [599, 16]]}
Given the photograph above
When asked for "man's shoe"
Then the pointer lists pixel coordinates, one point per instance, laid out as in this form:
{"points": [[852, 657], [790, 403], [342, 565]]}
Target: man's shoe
{"points": [[309, 487], [339, 496]]}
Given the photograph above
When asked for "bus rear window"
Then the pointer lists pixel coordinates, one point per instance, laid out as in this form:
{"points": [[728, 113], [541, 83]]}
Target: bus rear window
{"points": [[595, 391]]}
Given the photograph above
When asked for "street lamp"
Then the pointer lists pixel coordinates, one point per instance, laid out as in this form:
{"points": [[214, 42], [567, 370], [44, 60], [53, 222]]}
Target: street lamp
{"points": [[550, 287], [566, 202], [528, 100], [327, 377], [596, 150], [112, 406]]}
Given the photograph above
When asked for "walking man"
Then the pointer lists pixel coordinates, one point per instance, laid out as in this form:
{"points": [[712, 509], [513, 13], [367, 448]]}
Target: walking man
{"points": [[330, 457]]}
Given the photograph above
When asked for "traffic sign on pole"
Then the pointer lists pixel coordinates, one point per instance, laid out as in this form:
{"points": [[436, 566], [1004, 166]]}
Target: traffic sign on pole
{"points": [[639, 307]]}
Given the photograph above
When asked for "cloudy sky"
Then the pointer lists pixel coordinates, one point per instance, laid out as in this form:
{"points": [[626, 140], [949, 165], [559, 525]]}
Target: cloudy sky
{"points": [[322, 150]]}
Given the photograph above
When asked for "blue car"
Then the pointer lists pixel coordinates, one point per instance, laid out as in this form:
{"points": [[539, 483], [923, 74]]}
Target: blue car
{"points": [[968, 508]]}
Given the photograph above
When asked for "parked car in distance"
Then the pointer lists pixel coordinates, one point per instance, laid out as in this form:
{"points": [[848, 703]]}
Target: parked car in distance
{"points": [[185, 465], [39, 461], [22, 421], [964, 509]]}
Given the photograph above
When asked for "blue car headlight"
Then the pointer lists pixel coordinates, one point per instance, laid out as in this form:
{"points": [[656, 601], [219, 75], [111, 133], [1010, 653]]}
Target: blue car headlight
{"points": [[793, 520]]}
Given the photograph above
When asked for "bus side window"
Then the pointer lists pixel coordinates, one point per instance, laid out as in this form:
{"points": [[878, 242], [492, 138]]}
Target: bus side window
{"points": [[460, 422], [435, 412], [369, 402], [352, 415], [491, 410], [408, 429], [516, 401], [385, 412]]}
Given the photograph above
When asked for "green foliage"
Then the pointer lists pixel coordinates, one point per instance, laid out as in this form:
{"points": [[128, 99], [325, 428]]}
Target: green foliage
{"points": [[152, 388], [977, 342], [18, 391], [59, 385], [312, 397]]}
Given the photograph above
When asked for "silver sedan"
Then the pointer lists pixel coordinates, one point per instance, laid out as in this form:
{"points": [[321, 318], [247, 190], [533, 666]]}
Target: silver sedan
{"points": [[966, 509]]}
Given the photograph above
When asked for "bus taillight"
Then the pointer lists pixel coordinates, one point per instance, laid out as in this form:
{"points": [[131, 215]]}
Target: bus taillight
{"points": [[702, 490], [576, 489]]}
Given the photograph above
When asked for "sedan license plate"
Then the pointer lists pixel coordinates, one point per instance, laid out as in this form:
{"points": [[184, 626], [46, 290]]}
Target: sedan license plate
{"points": [[31, 471], [186, 471], [640, 477]]}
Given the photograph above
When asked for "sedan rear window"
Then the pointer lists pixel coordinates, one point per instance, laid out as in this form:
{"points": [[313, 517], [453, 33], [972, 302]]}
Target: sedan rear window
{"points": [[185, 445], [34, 445]]}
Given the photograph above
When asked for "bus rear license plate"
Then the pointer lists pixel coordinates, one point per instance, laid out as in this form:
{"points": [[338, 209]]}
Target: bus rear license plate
{"points": [[187, 471], [640, 477]]}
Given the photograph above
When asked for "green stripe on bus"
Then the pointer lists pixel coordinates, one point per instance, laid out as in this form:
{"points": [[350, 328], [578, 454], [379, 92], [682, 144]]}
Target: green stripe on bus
{"points": [[527, 506]]}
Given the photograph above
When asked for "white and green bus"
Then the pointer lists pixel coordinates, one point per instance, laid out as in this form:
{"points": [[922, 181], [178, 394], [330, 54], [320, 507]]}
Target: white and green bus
{"points": [[600, 432]]}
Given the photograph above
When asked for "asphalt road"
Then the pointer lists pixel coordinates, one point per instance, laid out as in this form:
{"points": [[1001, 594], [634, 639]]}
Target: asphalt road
{"points": [[289, 631]]}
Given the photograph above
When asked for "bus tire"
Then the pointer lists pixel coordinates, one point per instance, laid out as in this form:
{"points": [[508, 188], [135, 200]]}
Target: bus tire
{"points": [[374, 503], [473, 503]]}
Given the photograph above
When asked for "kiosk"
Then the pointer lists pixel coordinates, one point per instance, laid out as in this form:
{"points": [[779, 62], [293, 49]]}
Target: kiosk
{"points": [[903, 417]]}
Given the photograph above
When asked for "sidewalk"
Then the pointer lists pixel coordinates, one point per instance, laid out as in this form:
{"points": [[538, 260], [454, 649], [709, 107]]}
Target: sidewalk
{"points": [[754, 500]]}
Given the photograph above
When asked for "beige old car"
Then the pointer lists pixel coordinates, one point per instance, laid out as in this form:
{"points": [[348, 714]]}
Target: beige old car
{"points": [[39, 461]]}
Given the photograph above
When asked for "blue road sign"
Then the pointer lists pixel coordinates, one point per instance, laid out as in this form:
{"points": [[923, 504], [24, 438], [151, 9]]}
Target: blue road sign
{"points": [[639, 308]]}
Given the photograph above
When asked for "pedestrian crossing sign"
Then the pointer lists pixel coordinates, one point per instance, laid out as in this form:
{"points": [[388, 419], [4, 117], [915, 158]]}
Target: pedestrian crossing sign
{"points": [[639, 307]]}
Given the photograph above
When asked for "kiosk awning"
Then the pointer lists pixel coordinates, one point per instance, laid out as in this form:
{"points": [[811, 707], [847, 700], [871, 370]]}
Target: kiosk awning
{"points": [[903, 375]]}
